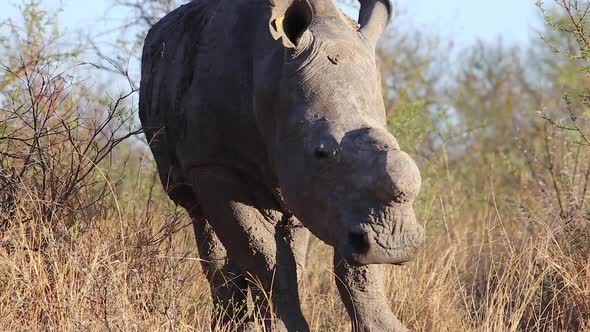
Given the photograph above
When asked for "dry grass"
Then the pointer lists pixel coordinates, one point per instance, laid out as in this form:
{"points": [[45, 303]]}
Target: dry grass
{"points": [[137, 272]]}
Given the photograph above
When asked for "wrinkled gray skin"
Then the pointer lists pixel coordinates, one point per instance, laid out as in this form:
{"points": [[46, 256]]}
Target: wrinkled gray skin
{"points": [[266, 115]]}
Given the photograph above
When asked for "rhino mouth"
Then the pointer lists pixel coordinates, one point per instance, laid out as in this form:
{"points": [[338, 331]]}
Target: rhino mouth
{"points": [[361, 250], [390, 237], [359, 242]]}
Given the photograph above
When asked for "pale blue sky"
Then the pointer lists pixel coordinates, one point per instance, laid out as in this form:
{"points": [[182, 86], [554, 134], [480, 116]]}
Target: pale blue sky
{"points": [[463, 21]]}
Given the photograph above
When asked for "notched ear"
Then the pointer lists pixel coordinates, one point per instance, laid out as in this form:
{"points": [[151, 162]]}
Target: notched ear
{"points": [[290, 24]]}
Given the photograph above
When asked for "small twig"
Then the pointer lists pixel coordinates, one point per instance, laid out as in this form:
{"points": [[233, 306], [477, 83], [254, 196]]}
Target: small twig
{"points": [[551, 168]]}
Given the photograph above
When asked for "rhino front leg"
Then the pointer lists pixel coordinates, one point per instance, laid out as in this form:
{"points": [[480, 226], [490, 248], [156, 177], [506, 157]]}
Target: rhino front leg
{"points": [[292, 240], [233, 205], [362, 290], [292, 255], [228, 285]]}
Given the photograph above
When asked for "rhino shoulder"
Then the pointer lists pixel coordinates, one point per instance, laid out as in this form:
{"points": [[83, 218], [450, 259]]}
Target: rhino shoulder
{"points": [[170, 47]]}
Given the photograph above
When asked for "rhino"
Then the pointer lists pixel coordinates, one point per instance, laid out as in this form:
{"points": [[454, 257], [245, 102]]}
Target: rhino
{"points": [[266, 122]]}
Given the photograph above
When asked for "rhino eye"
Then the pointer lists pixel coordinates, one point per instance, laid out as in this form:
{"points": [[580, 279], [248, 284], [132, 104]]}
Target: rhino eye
{"points": [[321, 152]]}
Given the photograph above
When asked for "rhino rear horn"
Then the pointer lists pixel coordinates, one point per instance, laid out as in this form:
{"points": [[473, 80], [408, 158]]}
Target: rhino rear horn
{"points": [[374, 17]]}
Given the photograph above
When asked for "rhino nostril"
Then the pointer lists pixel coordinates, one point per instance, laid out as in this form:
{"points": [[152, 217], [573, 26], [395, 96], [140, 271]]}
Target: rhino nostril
{"points": [[359, 242]]}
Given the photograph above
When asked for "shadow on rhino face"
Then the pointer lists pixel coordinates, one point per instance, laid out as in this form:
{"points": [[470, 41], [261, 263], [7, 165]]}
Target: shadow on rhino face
{"points": [[357, 196]]}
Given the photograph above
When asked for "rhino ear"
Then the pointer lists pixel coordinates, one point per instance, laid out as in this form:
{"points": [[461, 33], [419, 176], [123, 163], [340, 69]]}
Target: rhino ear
{"points": [[374, 17], [291, 23]]}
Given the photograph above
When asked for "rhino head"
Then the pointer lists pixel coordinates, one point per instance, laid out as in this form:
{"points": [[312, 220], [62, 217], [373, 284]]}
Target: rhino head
{"points": [[339, 169]]}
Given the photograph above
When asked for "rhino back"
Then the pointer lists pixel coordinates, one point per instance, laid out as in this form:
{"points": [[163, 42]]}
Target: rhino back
{"points": [[196, 95], [168, 60]]}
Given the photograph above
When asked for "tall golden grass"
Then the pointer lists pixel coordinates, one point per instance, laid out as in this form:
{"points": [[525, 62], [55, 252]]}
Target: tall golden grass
{"points": [[130, 272]]}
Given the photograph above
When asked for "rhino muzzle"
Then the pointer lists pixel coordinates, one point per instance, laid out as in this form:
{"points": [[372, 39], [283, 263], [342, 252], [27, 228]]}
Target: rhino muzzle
{"points": [[386, 231], [395, 238]]}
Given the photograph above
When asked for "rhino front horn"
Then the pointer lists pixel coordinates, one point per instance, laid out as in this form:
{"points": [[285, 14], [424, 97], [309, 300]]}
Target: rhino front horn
{"points": [[402, 180]]}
